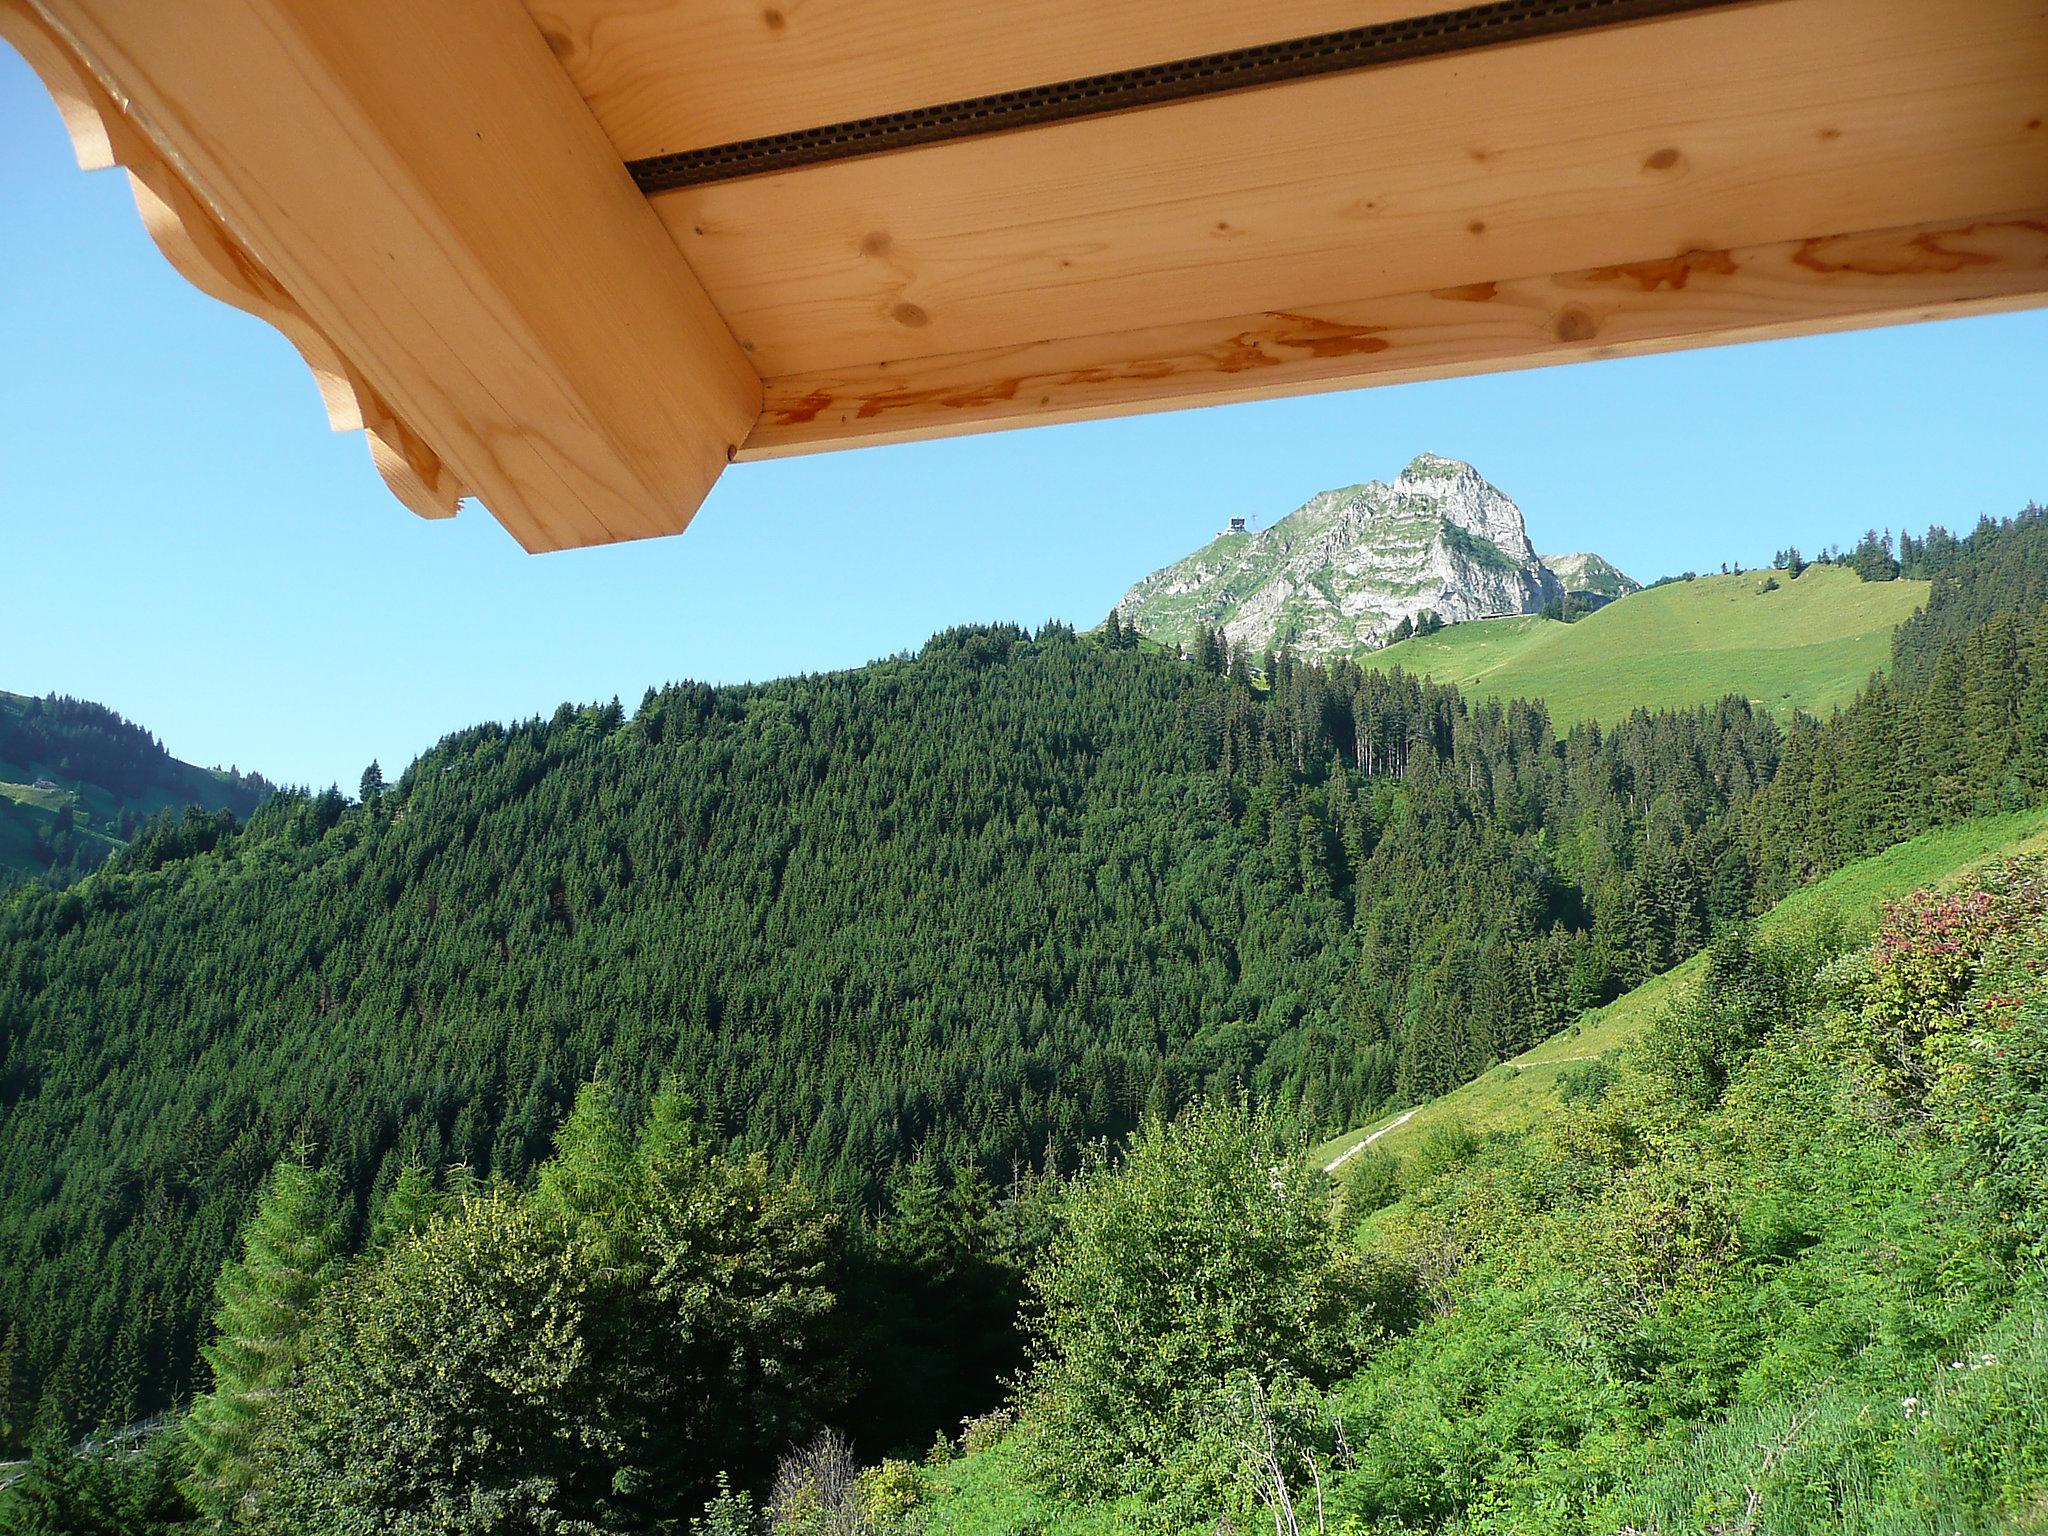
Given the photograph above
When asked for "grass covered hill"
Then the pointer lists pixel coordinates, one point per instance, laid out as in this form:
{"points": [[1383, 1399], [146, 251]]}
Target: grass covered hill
{"points": [[77, 782], [1808, 644]]}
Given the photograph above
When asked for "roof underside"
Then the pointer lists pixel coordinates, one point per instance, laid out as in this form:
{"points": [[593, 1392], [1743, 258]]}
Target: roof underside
{"points": [[572, 258]]}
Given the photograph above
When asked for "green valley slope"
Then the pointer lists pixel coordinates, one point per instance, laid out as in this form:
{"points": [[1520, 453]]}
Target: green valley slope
{"points": [[77, 780], [989, 903], [1808, 644], [1519, 1092]]}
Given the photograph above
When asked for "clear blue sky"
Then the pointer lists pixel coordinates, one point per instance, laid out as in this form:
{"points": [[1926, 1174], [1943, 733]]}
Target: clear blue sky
{"points": [[184, 539]]}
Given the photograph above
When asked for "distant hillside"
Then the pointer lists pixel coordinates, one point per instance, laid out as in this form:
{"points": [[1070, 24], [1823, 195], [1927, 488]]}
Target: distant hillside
{"points": [[1356, 566], [977, 907], [1805, 644], [77, 780]]}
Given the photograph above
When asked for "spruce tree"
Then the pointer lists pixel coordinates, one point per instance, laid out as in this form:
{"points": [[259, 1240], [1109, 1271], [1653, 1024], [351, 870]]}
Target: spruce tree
{"points": [[411, 1203], [8, 1346], [917, 1229], [291, 1249]]}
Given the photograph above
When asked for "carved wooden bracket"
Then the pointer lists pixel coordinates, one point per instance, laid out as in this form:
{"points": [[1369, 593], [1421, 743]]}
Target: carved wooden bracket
{"points": [[202, 251]]}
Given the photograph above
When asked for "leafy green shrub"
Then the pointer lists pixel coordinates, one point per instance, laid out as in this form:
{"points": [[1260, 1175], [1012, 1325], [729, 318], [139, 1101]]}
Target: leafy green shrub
{"points": [[1370, 1181], [1208, 1252], [1748, 989], [1444, 1149], [890, 1493], [984, 1430], [1666, 1226], [589, 1357], [1988, 1050], [728, 1513], [1930, 949], [455, 1371], [1585, 1083]]}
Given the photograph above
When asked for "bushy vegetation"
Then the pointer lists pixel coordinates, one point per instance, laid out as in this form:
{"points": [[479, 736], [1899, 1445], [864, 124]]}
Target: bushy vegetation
{"points": [[590, 1355], [960, 914], [1763, 1279], [1760, 1292], [1784, 1269], [587, 1357], [1199, 1267]]}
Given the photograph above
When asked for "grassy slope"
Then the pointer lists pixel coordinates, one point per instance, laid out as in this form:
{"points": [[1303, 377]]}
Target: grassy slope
{"points": [[1523, 1090], [1810, 645]]}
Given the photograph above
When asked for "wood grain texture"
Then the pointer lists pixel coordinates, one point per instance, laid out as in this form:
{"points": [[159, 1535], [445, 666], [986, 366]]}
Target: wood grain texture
{"points": [[668, 75], [1730, 128], [1700, 298], [192, 240], [426, 187]]}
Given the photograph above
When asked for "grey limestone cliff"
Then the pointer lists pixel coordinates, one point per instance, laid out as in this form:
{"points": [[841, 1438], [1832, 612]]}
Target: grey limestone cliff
{"points": [[1340, 573]]}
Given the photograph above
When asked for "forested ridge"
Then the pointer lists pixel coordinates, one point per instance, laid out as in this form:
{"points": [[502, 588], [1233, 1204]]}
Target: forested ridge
{"points": [[113, 775], [909, 932], [78, 740]]}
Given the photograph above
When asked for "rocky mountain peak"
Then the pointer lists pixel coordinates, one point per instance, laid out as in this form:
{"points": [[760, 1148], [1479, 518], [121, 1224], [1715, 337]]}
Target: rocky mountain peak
{"points": [[1590, 576], [1466, 498], [1342, 571]]}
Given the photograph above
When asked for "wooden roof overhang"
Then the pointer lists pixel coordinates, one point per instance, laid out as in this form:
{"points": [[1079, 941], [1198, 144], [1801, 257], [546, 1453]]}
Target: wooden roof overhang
{"points": [[571, 258]]}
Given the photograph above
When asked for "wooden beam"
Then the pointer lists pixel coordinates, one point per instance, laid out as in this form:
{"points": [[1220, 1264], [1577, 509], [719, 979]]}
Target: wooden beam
{"points": [[424, 186], [1728, 128], [664, 78], [1702, 298]]}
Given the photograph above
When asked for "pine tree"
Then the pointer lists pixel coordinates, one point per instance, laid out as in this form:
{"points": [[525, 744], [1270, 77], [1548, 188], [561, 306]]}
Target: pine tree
{"points": [[291, 1249], [8, 1346], [917, 1229], [53, 1497], [411, 1204]]}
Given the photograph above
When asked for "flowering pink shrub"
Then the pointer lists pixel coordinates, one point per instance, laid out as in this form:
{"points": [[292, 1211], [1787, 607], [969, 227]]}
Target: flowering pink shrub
{"points": [[1931, 950]]}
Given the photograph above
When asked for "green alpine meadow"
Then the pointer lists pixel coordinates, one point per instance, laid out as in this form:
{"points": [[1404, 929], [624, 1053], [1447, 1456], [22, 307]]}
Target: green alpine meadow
{"points": [[1385, 1033]]}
